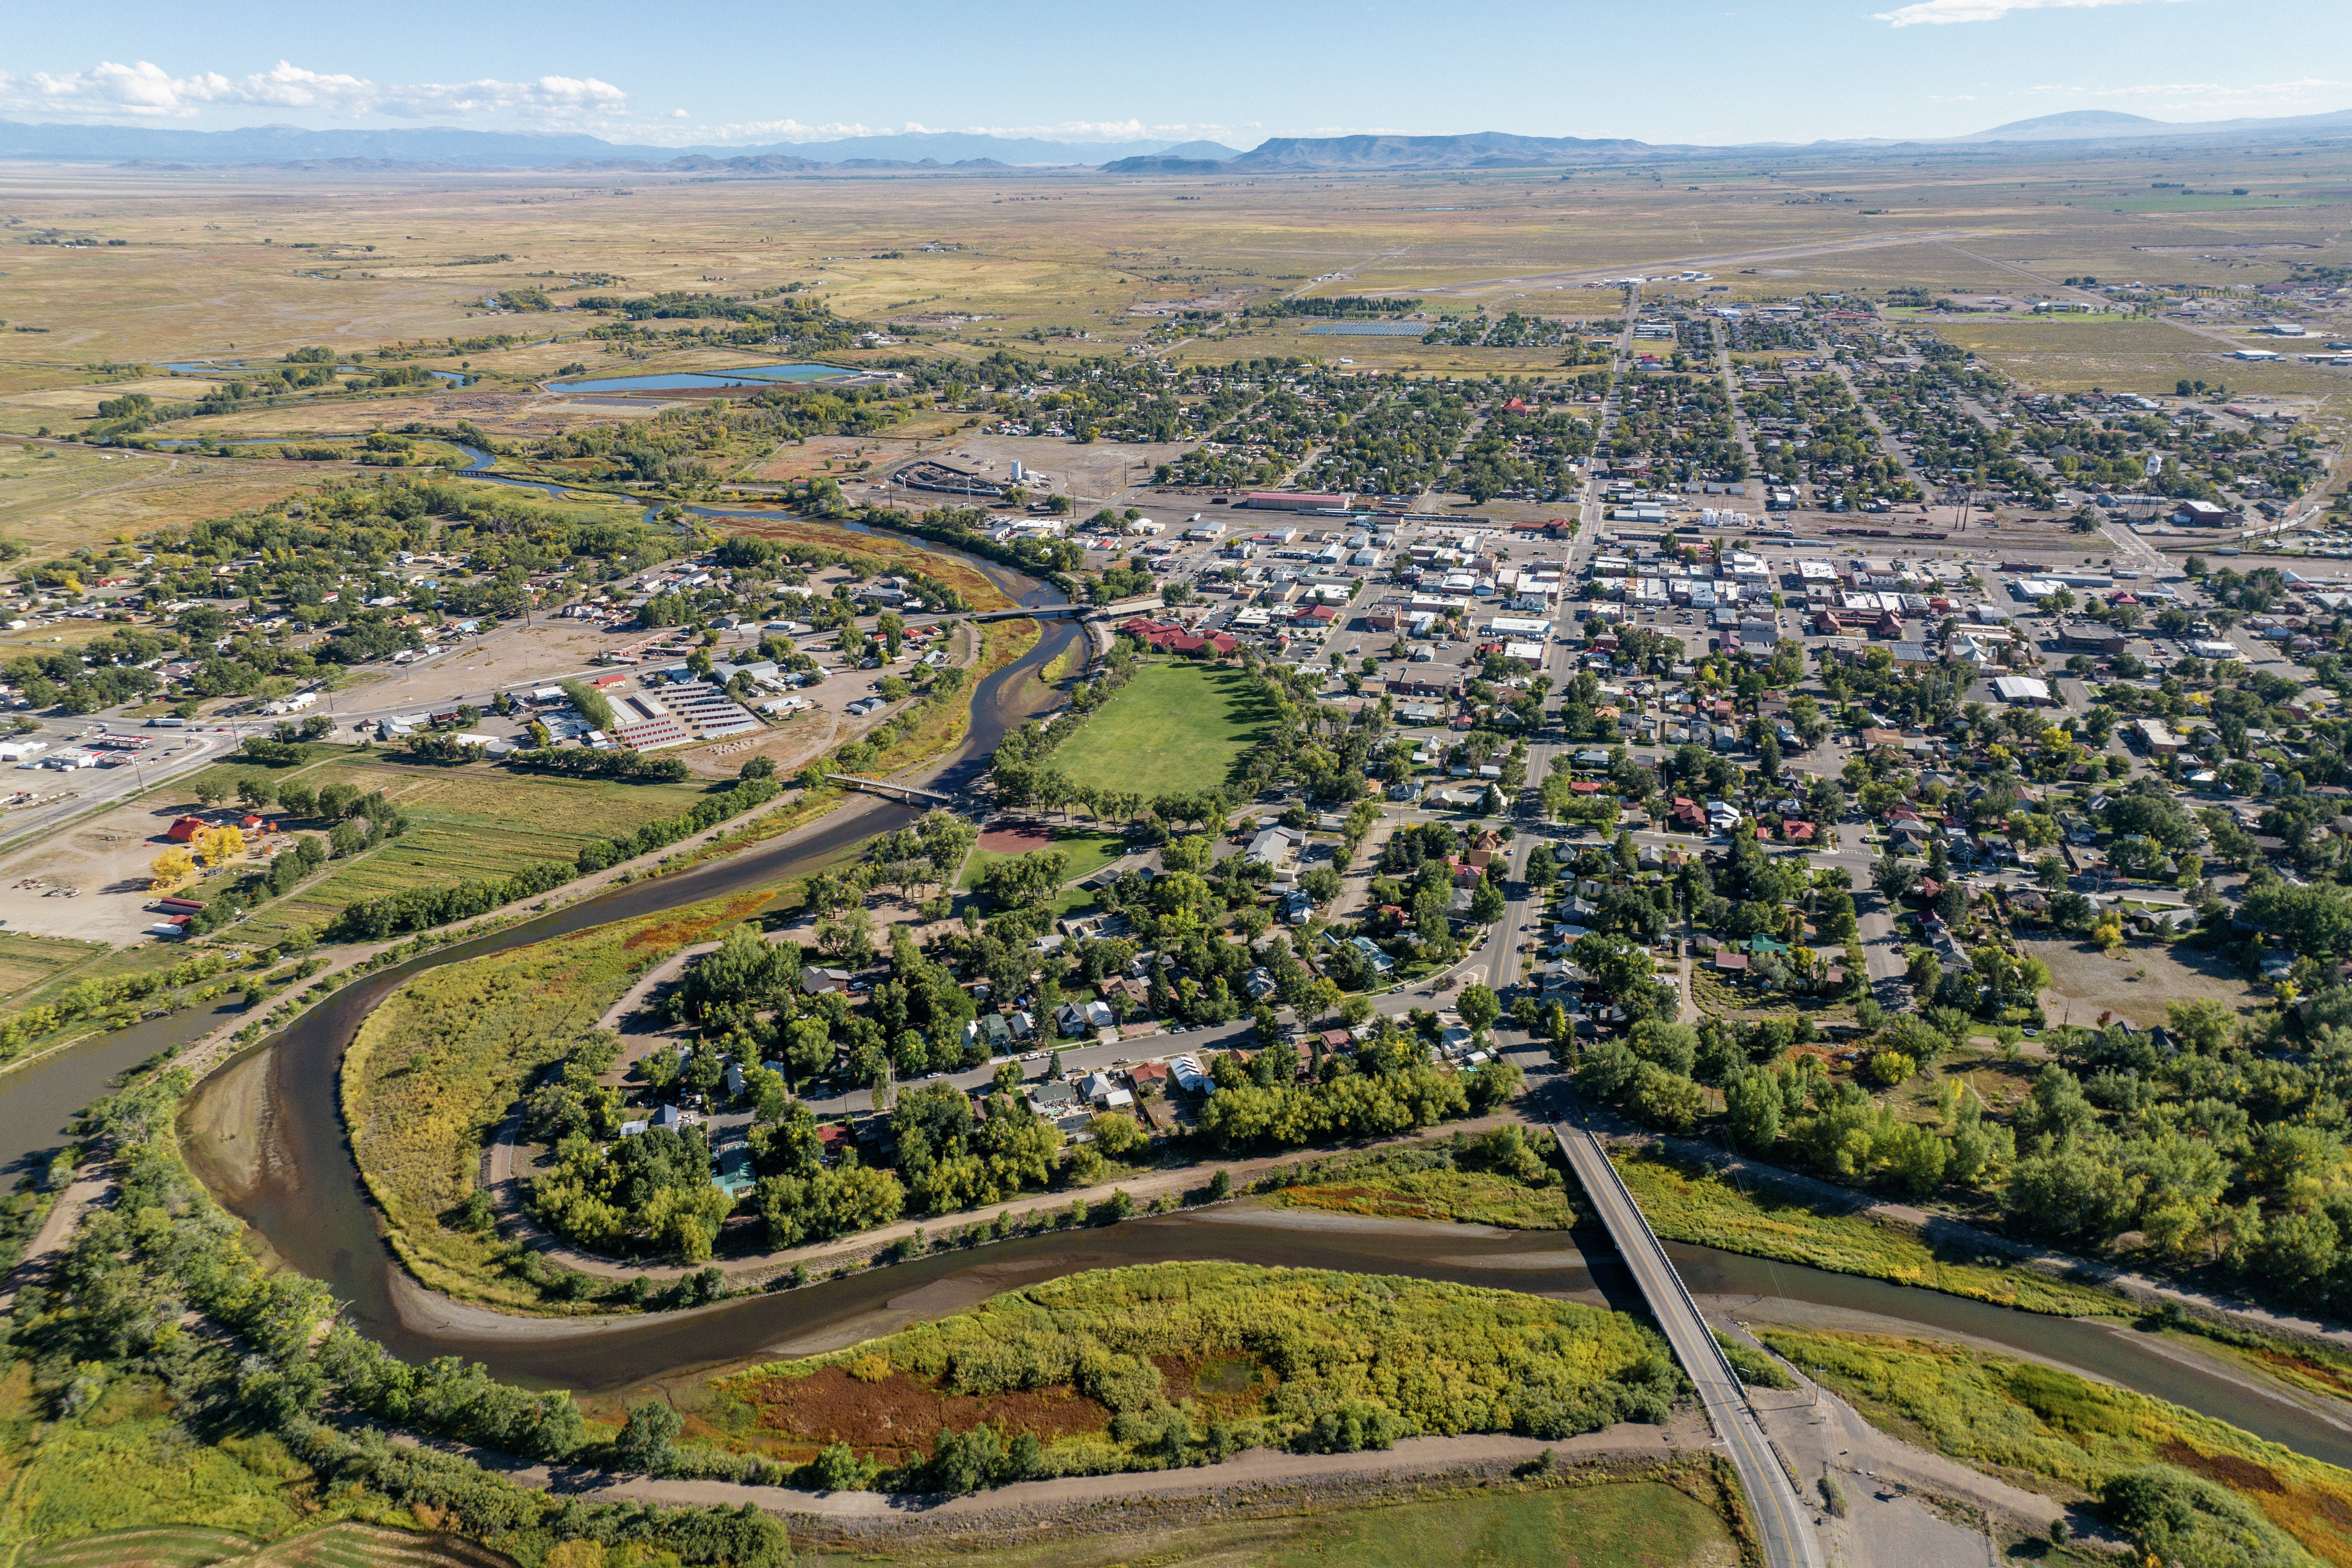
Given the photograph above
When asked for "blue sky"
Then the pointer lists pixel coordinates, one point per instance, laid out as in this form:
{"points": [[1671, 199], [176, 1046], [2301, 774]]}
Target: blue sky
{"points": [[781, 70]]}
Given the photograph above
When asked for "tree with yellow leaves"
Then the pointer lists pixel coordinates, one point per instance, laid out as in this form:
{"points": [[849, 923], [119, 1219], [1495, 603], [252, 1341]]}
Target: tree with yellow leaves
{"points": [[219, 846], [2108, 934], [169, 869]]}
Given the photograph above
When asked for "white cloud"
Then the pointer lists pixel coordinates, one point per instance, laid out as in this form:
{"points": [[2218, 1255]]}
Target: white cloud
{"points": [[1942, 11], [147, 90], [2215, 101]]}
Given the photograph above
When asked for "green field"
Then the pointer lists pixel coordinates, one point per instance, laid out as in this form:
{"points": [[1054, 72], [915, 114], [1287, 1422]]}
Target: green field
{"points": [[1635, 1524], [466, 824], [125, 1461], [1174, 729], [1086, 849]]}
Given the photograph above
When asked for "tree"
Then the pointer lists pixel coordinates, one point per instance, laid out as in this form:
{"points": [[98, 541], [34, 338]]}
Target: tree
{"points": [[2204, 1025], [219, 846], [1754, 1102], [1479, 1007], [2315, 919], [171, 869], [1624, 970], [648, 1439]]}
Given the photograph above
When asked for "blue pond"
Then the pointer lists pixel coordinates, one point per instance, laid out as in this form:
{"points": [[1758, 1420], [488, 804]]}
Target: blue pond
{"points": [[687, 381]]}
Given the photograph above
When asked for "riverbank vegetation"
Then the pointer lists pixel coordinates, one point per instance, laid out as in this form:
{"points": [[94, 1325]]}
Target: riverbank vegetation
{"points": [[2186, 1487], [2210, 1150], [1172, 1364], [939, 723], [1501, 1178], [1688, 1202], [115, 1412]]}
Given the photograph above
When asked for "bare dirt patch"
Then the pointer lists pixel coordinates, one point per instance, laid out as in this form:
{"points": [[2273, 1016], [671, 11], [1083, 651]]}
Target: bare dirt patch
{"points": [[543, 652], [107, 861], [900, 1414], [839, 455], [2084, 983], [1016, 836]]}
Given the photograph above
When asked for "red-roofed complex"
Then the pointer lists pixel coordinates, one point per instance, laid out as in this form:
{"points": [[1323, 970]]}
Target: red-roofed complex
{"points": [[1169, 637]]}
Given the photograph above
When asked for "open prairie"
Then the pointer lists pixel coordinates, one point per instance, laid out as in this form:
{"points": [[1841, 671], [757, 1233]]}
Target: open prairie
{"points": [[116, 276]]}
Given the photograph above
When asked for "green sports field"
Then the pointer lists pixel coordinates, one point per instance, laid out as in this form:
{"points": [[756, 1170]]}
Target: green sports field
{"points": [[1174, 729]]}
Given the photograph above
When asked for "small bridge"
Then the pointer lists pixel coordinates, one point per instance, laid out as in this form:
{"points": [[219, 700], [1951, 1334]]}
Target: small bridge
{"points": [[907, 793]]}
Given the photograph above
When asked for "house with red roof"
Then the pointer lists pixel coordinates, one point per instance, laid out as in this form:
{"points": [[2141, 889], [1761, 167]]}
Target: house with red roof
{"points": [[184, 829]]}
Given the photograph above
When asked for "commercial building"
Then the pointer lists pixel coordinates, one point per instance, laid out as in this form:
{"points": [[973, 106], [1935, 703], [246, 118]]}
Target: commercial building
{"points": [[1297, 501]]}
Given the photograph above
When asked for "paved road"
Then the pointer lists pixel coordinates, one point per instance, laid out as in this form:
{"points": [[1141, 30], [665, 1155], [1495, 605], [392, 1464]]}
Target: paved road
{"points": [[91, 790], [1779, 1518]]}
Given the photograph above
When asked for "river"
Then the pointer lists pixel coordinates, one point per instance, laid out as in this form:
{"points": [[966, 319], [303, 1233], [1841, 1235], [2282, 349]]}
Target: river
{"points": [[308, 1205]]}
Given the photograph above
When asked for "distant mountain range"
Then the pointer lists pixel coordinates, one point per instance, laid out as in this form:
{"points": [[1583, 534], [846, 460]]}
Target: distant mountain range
{"points": [[446, 147], [451, 149], [2105, 124]]}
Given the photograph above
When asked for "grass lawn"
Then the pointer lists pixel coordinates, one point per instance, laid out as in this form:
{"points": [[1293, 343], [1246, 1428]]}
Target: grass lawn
{"points": [[1624, 1525], [467, 823], [1685, 1205], [1174, 729], [1086, 849]]}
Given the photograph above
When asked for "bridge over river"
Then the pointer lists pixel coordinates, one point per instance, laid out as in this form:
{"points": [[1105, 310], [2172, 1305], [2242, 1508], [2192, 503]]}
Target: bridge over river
{"points": [[1788, 1537]]}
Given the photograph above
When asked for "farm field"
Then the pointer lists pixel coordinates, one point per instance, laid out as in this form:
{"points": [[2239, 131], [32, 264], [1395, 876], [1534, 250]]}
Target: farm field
{"points": [[1631, 1524], [467, 823], [960, 266], [2142, 356], [28, 962], [1174, 729]]}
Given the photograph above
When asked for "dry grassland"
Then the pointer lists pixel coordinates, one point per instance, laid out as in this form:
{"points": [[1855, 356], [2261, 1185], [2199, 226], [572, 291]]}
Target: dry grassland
{"points": [[73, 496], [248, 265]]}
